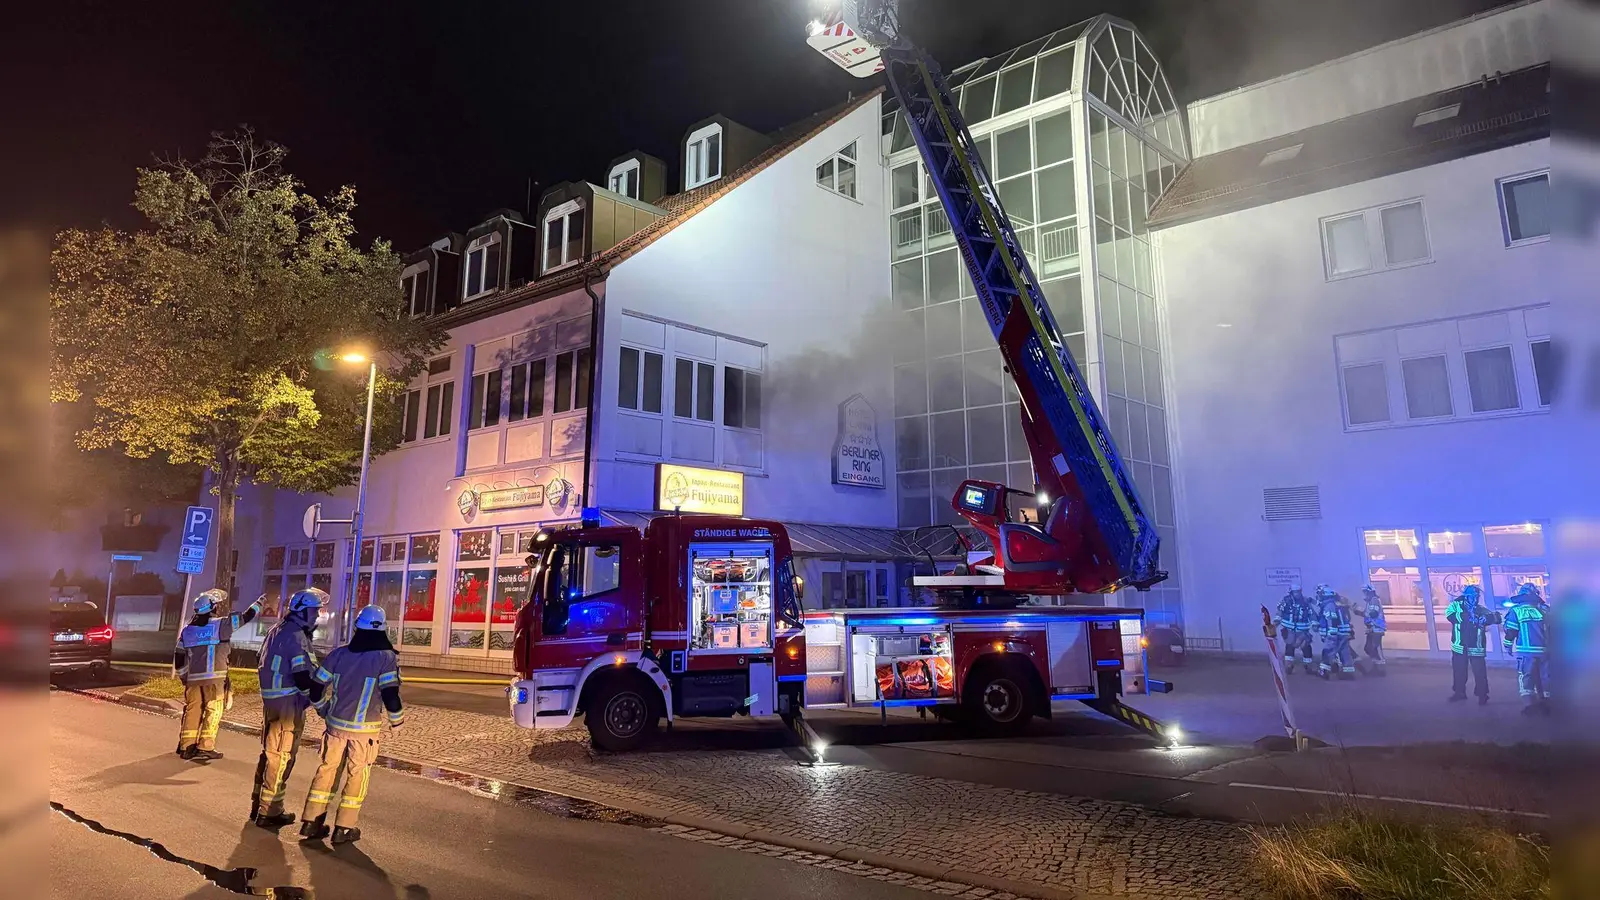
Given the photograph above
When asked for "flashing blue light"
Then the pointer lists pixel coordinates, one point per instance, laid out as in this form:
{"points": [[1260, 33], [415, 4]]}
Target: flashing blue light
{"points": [[522, 695], [591, 517]]}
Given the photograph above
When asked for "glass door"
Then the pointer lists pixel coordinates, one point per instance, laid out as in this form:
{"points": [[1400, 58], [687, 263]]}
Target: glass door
{"points": [[866, 585]]}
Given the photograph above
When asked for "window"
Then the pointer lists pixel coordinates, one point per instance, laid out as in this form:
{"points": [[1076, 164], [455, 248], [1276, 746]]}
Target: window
{"points": [[563, 235], [1525, 208], [1545, 369], [624, 179], [703, 161], [903, 185], [1491, 379], [486, 399], [741, 398], [483, 266], [838, 173], [575, 574], [693, 393], [428, 411], [1427, 387], [572, 381], [639, 380], [414, 290], [1366, 394], [1399, 229]]}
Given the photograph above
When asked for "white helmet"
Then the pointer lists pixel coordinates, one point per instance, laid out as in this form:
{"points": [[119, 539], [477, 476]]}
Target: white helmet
{"points": [[371, 618], [307, 600], [207, 602]]}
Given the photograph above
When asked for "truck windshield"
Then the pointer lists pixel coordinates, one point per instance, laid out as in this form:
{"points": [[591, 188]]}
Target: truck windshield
{"points": [[572, 573]]}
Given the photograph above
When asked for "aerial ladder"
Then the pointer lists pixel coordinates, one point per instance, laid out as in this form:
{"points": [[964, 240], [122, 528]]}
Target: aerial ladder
{"points": [[1091, 534]]}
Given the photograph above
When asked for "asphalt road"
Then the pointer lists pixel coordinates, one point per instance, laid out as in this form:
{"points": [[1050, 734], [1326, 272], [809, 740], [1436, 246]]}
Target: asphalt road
{"points": [[421, 839]]}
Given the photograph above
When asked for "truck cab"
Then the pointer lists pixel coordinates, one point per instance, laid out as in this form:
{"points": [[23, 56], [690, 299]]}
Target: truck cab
{"points": [[693, 616]]}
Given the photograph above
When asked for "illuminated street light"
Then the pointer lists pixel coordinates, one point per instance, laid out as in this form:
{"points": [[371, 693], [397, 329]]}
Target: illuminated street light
{"points": [[356, 357]]}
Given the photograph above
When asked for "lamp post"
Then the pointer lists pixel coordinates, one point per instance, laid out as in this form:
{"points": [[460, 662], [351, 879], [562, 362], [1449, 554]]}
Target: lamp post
{"points": [[359, 520]]}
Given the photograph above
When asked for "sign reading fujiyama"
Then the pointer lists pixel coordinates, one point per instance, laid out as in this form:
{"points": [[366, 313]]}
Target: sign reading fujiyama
{"points": [[694, 490], [857, 454]]}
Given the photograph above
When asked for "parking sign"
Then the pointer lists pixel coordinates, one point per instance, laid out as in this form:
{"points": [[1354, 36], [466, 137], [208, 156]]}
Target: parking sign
{"points": [[196, 539]]}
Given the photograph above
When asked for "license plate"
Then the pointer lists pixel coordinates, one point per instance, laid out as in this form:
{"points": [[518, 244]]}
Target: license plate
{"points": [[67, 636]]}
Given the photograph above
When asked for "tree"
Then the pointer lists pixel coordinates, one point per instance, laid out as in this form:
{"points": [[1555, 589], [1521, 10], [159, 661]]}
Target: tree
{"points": [[209, 337]]}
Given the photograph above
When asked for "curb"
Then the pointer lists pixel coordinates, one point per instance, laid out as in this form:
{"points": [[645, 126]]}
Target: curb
{"points": [[939, 873]]}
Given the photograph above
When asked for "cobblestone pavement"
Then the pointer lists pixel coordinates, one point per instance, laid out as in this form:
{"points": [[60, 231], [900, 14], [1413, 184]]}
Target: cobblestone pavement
{"points": [[1068, 844]]}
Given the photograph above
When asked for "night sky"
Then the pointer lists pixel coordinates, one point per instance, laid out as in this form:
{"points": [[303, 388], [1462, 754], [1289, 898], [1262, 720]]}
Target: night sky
{"points": [[440, 112]]}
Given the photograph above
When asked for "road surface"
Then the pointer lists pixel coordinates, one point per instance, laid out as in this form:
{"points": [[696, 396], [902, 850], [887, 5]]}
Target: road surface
{"points": [[114, 767]]}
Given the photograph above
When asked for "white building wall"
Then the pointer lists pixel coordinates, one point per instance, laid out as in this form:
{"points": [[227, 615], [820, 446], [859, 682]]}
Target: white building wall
{"points": [[1258, 399], [1502, 40], [781, 274]]}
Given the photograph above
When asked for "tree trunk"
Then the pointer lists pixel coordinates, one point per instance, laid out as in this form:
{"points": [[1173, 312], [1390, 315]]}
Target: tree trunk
{"points": [[227, 498]]}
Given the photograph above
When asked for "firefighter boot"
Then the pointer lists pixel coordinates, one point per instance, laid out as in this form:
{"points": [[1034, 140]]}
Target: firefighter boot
{"points": [[314, 829], [342, 835], [273, 823]]}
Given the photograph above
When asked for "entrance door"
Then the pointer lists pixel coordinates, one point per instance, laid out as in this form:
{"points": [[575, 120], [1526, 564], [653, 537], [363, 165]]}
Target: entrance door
{"points": [[867, 585]]}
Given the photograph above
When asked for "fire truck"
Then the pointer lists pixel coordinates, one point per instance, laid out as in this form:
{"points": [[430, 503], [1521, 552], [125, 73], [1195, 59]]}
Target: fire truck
{"points": [[702, 616]]}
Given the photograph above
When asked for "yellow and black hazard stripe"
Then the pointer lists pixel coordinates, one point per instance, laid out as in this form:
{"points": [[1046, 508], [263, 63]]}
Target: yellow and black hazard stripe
{"points": [[1130, 716]]}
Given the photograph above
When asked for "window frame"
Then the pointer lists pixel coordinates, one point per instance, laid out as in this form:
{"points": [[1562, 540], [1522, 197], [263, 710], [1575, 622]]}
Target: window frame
{"points": [[745, 405], [698, 156], [695, 393], [443, 418], [834, 160], [562, 213], [417, 275], [1377, 247], [622, 170], [484, 244], [640, 396], [1500, 186]]}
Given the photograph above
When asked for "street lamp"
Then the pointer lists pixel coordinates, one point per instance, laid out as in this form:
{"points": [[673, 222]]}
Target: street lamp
{"points": [[356, 357]]}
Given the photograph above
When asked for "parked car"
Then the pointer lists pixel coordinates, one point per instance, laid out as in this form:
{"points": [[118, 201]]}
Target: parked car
{"points": [[80, 638]]}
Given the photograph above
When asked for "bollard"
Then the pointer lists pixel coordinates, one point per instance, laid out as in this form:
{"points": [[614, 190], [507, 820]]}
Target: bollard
{"points": [[1281, 682]]}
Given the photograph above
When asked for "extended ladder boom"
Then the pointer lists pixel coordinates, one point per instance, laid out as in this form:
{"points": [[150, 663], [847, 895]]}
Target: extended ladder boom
{"points": [[1095, 535]]}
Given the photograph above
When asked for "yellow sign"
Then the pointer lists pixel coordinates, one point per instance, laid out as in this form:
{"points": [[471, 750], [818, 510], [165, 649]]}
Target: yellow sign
{"points": [[694, 490]]}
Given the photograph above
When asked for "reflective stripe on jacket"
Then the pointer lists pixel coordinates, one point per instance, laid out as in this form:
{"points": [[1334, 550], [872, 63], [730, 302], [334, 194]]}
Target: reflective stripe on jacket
{"points": [[352, 702], [284, 652], [1525, 630]]}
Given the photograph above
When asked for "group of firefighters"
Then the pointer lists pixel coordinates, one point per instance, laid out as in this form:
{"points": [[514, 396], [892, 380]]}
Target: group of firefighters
{"points": [[355, 688], [1327, 615]]}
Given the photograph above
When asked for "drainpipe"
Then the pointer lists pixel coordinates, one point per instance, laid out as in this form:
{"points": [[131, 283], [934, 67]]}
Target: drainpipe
{"points": [[594, 380]]}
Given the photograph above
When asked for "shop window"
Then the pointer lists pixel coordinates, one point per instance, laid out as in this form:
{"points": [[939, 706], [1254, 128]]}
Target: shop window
{"points": [[838, 172], [703, 159], [1525, 208], [1385, 544], [624, 178], [639, 380], [1452, 543], [563, 235], [694, 390], [1514, 541], [741, 398], [482, 267]]}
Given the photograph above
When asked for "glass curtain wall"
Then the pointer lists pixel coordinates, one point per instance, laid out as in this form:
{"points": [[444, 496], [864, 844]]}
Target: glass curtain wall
{"points": [[1080, 134]]}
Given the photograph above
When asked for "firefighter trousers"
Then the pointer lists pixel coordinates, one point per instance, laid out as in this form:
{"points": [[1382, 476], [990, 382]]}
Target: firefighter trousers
{"points": [[1336, 655], [1297, 643], [1374, 648], [1460, 664], [1532, 680], [344, 771], [280, 741], [202, 715]]}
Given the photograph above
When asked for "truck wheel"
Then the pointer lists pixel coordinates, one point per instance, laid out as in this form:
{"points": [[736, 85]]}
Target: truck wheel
{"points": [[997, 699], [621, 715]]}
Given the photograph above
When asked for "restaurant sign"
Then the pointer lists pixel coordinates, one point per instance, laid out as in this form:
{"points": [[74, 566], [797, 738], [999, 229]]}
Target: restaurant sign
{"points": [[692, 490]]}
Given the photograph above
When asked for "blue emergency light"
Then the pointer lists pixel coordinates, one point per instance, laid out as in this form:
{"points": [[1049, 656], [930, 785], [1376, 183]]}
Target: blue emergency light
{"points": [[591, 517]]}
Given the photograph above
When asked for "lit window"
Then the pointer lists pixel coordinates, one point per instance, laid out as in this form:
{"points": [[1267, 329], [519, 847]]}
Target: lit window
{"points": [[703, 160], [563, 235], [624, 179], [639, 380], [482, 266], [838, 172], [1525, 208]]}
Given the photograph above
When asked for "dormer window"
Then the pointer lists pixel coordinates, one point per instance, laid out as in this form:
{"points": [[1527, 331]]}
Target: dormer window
{"points": [[563, 235], [482, 265], [414, 290], [624, 179], [703, 161]]}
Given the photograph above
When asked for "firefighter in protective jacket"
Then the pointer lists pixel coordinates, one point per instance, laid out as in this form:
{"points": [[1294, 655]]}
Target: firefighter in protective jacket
{"points": [[1469, 629], [1525, 639], [363, 689], [201, 663], [1377, 625], [1333, 623], [1294, 622], [287, 689]]}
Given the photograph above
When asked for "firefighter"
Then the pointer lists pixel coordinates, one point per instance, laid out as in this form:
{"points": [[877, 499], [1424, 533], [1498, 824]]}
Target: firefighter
{"points": [[201, 663], [1377, 625], [1524, 637], [287, 689], [363, 688], [1294, 622], [1469, 628], [1333, 624]]}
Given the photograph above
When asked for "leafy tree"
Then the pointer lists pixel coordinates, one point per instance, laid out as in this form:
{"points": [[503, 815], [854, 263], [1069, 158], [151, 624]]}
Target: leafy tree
{"points": [[209, 337]]}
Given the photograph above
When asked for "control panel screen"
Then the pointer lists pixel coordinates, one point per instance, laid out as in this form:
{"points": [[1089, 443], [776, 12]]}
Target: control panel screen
{"points": [[976, 499]]}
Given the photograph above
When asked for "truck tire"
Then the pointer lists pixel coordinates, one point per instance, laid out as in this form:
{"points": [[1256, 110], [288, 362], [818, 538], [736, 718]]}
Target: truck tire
{"points": [[622, 714], [998, 698]]}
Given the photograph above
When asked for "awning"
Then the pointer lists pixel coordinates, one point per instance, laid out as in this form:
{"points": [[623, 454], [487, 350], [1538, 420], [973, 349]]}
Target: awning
{"points": [[842, 541]]}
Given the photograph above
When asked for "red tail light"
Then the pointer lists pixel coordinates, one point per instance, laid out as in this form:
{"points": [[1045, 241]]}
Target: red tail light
{"points": [[101, 634]]}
